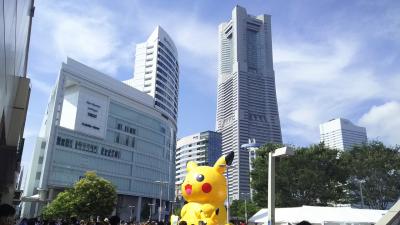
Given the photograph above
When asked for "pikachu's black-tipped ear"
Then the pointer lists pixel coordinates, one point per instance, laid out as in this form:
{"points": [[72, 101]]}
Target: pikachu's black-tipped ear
{"points": [[229, 158], [223, 161]]}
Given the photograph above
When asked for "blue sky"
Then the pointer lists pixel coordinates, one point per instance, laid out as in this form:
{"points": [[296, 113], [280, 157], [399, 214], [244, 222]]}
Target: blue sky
{"points": [[331, 58]]}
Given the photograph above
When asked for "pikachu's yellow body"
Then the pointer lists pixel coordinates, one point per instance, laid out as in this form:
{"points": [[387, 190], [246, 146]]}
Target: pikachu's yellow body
{"points": [[204, 188]]}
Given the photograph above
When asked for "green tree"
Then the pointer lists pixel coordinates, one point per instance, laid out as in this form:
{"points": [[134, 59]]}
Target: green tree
{"points": [[91, 195], [238, 209], [312, 176], [377, 168]]}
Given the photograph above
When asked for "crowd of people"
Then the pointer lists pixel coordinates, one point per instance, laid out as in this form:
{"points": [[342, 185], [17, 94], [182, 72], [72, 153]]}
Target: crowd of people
{"points": [[7, 217]]}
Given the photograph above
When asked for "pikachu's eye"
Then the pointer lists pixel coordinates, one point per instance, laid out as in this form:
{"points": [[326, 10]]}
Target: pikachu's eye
{"points": [[200, 177]]}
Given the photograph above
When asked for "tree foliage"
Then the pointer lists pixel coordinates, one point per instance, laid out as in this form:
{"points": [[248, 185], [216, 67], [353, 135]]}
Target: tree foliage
{"points": [[90, 196], [317, 175], [313, 176], [238, 209], [377, 168]]}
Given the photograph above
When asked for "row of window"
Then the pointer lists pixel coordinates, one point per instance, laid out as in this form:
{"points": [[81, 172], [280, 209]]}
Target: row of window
{"points": [[92, 115], [93, 104], [110, 153], [66, 142], [79, 145], [124, 140], [168, 94], [83, 146], [159, 104], [167, 62], [166, 68], [127, 128], [90, 126], [170, 54], [87, 147], [165, 76]]}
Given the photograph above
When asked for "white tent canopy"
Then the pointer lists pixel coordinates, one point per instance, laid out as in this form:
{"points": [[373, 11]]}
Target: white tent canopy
{"points": [[320, 215]]}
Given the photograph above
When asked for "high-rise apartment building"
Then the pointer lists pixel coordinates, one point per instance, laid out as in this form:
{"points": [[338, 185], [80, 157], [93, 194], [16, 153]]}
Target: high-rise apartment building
{"points": [[16, 19], [246, 104], [157, 71], [203, 148], [96, 123], [342, 134]]}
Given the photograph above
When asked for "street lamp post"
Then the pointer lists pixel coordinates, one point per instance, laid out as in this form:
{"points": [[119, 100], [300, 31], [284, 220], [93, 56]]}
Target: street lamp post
{"points": [[284, 151], [245, 205], [362, 197], [360, 182], [160, 208], [227, 191], [131, 208]]}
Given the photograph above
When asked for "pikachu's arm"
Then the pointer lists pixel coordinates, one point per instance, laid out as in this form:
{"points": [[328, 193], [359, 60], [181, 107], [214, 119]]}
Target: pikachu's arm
{"points": [[184, 210]]}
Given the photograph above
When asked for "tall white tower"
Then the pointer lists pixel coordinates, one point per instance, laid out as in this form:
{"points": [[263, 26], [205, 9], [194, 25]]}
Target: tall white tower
{"points": [[342, 134], [157, 72], [246, 106]]}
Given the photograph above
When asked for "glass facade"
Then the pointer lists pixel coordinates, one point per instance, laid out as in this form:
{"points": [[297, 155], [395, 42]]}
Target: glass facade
{"points": [[129, 156]]}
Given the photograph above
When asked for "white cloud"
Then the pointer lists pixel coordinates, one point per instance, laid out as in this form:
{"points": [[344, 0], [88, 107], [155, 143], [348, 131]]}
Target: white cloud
{"points": [[85, 34], [383, 122], [318, 82]]}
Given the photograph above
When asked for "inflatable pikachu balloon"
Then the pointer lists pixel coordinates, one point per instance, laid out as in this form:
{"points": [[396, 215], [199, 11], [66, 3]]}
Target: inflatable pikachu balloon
{"points": [[204, 188]]}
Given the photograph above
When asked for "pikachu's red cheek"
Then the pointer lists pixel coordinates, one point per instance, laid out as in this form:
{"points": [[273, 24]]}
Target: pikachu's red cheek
{"points": [[206, 187]]}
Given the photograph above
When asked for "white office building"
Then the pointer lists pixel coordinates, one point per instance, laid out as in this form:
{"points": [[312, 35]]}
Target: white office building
{"points": [[246, 102], [342, 134], [203, 148], [96, 123], [157, 72]]}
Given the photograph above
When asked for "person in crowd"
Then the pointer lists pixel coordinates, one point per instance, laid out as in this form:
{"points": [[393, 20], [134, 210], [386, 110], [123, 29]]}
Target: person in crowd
{"points": [[114, 220], [304, 222]]}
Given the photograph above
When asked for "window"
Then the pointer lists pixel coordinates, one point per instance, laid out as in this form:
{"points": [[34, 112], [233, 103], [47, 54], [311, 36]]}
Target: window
{"points": [[110, 153], [92, 115], [92, 104], [38, 175], [43, 145], [40, 159], [132, 130], [116, 138], [162, 129], [119, 126], [127, 141]]}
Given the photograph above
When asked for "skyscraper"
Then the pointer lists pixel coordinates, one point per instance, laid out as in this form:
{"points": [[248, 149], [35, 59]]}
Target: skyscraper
{"points": [[246, 104], [157, 71], [342, 134]]}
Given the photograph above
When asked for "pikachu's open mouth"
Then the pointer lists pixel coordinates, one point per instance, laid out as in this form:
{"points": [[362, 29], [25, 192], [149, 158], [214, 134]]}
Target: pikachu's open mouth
{"points": [[188, 189]]}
